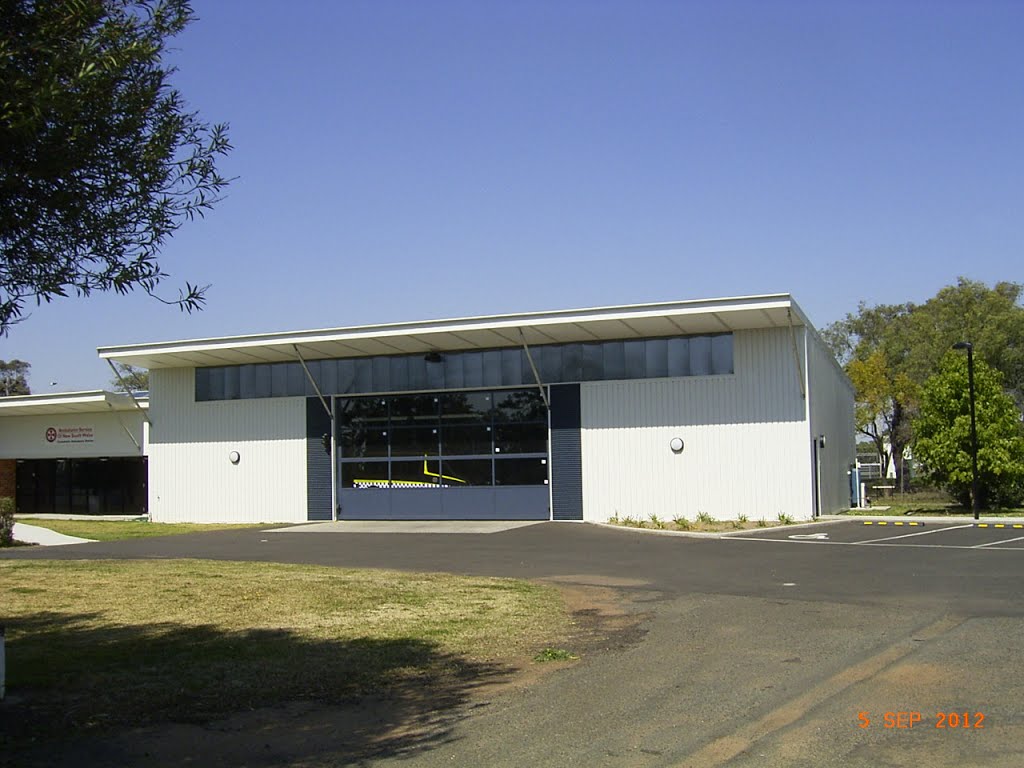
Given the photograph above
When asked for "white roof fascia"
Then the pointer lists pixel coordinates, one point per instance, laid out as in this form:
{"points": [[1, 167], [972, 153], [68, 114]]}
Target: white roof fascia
{"points": [[176, 354], [90, 401]]}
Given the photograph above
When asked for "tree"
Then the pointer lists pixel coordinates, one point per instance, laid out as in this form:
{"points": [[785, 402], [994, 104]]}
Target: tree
{"points": [[870, 345], [100, 161], [889, 351], [130, 379], [942, 433], [14, 378]]}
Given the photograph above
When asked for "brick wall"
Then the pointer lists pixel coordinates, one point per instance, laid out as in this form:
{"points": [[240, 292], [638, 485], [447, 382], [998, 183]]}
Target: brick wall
{"points": [[8, 470]]}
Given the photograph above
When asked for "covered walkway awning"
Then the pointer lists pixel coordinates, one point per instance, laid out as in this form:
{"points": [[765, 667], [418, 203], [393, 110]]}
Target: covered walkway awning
{"points": [[92, 401]]}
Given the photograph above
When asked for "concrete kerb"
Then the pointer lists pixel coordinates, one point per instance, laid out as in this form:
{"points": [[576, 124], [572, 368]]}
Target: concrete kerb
{"points": [[718, 534], [930, 519]]}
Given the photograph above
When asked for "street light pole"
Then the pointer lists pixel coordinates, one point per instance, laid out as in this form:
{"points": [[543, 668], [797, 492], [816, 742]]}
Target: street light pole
{"points": [[974, 430]]}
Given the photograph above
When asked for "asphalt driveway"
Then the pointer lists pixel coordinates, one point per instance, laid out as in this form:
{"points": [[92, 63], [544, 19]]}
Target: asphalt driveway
{"points": [[763, 650]]}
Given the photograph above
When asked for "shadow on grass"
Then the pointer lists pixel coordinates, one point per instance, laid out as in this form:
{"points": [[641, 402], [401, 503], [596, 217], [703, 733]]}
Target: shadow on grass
{"points": [[85, 694]]}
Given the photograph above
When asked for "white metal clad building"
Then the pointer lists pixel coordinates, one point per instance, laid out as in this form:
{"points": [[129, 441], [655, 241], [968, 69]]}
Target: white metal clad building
{"points": [[724, 406], [74, 453]]}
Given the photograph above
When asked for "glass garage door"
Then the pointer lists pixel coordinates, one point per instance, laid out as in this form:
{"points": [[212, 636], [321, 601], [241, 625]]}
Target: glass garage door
{"points": [[454, 455]]}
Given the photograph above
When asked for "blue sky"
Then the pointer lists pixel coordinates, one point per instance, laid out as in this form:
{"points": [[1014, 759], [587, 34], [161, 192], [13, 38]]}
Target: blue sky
{"points": [[410, 160]]}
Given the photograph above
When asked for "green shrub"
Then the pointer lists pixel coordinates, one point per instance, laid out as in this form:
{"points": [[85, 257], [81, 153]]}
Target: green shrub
{"points": [[785, 519], [762, 523], [704, 517], [682, 523], [743, 518], [6, 521], [656, 521]]}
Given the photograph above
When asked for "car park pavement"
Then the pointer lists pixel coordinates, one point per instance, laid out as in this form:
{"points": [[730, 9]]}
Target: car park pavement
{"points": [[854, 648]]}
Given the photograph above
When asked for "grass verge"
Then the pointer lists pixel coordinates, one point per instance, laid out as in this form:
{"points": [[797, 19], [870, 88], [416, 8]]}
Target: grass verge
{"points": [[94, 643], [113, 530], [898, 508]]}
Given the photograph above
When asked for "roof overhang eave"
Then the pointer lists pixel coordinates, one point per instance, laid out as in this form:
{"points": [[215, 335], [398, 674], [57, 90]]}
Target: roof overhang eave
{"points": [[606, 323]]}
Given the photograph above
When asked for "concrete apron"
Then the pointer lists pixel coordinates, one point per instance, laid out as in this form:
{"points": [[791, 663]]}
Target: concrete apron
{"points": [[408, 526]]}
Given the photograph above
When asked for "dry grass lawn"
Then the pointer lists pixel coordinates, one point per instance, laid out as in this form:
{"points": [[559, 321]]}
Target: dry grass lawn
{"points": [[117, 642]]}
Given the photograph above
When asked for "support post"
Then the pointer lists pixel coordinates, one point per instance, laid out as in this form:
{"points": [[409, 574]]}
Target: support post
{"points": [[533, 367], [128, 392]]}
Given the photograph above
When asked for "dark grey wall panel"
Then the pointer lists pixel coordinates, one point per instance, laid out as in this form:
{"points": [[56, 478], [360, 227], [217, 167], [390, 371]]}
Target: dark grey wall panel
{"points": [[318, 462], [566, 453]]}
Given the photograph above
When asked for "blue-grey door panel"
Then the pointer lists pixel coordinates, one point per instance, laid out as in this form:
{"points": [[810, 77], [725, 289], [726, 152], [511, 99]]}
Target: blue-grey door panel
{"points": [[364, 504], [523, 502]]}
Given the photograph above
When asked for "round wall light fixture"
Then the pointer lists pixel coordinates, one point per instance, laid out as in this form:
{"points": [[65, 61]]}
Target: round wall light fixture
{"points": [[676, 444], [234, 457]]}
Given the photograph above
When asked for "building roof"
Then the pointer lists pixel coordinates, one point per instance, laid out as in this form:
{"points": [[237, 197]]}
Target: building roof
{"points": [[93, 401], [487, 332]]}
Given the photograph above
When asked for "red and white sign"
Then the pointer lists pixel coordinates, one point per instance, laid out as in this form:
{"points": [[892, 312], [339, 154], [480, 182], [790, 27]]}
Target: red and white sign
{"points": [[69, 435]]}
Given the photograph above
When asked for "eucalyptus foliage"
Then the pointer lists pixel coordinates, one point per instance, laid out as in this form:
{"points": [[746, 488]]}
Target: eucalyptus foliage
{"points": [[14, 377], [100, 160], [942, 433], [890, 350]]}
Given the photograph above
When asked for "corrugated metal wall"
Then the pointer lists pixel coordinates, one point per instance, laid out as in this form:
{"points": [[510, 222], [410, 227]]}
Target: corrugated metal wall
{"points": [[831, 407], [190, 475], [746, 439]]}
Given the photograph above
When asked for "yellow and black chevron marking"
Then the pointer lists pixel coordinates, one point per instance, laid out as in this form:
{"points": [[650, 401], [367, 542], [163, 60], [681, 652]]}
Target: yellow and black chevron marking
{"points": [[887, 522], [999, 525]]}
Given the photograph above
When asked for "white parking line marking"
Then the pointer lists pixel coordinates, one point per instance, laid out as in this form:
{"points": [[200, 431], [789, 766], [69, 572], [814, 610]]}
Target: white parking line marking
{"points": [[994, 543], [919, 533], [866, 544]]}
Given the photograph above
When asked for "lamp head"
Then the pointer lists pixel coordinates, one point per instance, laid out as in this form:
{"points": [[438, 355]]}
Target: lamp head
{"points": [[963, 345]]}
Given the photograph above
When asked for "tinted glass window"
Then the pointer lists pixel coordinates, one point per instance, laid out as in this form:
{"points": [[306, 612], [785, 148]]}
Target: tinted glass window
{"points": [[407, 410], [462, 439], [700, 356], [519, 405], [414, 441], [415, 475], [362, 439], [556, 363], [656, 357], [458, 473], [520, 471], [592, 362], [721, 354], [364, 474], [520, 438], [614, 353], [678, 357], [635, 353], [363, 409], [466, 407]]}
